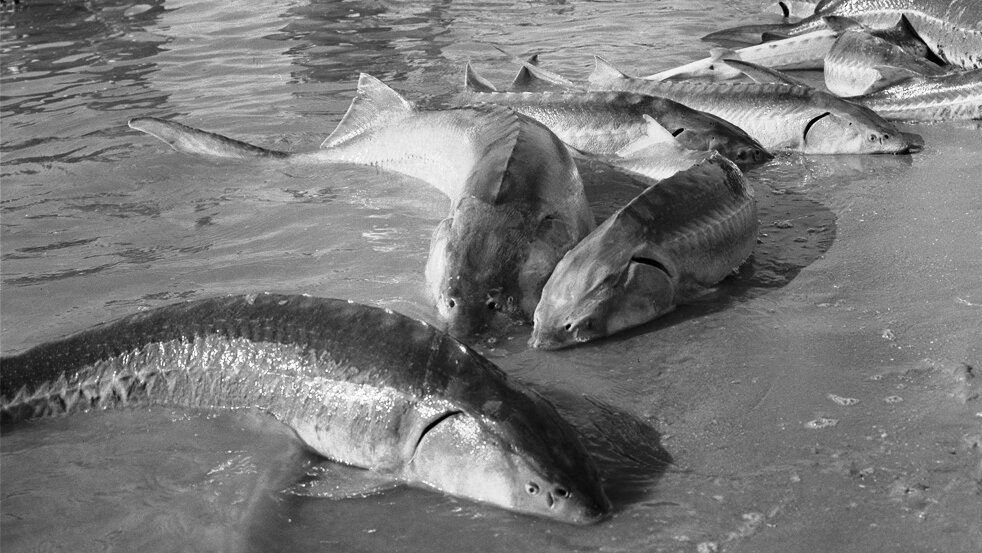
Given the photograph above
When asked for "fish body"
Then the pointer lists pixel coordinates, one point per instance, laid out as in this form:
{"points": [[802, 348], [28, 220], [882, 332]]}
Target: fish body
{"points": [[359, 385], [951, 29], [607, 122], [780, 116], [806, 51], [929, 98], [676, 238], [517, 200], [859, 62]]}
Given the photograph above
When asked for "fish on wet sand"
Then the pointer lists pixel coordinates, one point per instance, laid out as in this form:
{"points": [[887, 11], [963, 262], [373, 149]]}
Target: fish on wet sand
{"points": [[359, 385], [674, 240], [606, 122], [922, 98], [780, 116], [517, 200]]}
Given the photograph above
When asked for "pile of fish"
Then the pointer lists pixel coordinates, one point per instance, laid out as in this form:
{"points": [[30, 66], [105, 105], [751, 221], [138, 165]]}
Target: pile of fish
{"points": [[376, 390], [907, 60]]}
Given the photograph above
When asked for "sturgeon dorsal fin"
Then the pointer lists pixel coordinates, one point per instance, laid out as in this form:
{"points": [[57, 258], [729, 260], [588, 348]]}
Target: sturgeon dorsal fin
{"points": [[375, 103], [763, 74], [605, 72], [654, 133], [533, 77], [475, 82], [494, 147]]}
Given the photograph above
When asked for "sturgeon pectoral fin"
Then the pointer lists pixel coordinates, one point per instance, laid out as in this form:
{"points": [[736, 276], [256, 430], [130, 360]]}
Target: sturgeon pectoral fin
{"points": [[494, 147], [654, 134], [330, 480], [194, 141]]}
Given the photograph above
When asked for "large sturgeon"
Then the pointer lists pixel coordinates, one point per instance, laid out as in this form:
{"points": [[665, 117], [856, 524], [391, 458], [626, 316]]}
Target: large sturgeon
{"points": [[517, 200], [607, 122], [359, 385], [678, 237], [929, 98], [952, 29], [781, 116]]}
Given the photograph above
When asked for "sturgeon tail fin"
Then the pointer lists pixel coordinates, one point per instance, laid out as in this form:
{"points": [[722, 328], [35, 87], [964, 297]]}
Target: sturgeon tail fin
{"points": [[194, 141]]}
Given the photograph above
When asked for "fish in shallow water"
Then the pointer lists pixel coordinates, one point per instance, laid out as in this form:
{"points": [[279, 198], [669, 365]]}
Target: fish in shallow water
{"points": [[951, 29], [675, 239], [780, 116], [517, 200], [606, 122], [923, 98], [359, 385]]}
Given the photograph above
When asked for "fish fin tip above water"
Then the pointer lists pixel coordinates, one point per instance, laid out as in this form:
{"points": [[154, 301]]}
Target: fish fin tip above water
{"points": [[475, 82], [604, 71], [375, 104], [531, 75]]}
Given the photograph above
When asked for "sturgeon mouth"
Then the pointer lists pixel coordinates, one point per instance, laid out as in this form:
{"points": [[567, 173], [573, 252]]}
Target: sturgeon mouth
{"points": [[915, 143]]}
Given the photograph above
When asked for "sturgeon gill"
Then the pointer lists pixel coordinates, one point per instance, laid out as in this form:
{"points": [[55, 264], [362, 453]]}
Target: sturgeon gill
{"points": [[679, 236], [359, 385]]}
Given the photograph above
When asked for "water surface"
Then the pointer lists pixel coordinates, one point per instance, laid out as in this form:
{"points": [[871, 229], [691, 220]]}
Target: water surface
{"points": [[819, 400]]}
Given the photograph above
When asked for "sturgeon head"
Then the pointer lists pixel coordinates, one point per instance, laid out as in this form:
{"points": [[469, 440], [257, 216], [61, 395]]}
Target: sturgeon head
{"points": [[516, 218], [525, 460], [679, 236], [611, 281], [834, 125]]}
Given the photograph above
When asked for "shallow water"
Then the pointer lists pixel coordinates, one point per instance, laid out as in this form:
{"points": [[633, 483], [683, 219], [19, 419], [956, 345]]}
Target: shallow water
{"points": [[820, 400]]}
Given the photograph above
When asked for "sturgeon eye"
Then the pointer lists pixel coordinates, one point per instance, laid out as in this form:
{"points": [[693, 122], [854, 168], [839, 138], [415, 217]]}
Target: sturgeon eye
{"points": [[532, 488], [872, 138], [451, 303]]}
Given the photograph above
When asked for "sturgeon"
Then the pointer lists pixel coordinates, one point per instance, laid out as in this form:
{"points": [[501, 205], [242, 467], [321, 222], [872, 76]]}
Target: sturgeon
{"points": [[859, 62], [517, 200], [359, 385], [806, 51], [675, 239], [781, 116], [929, 98], [607, 122], [951, 29]]}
